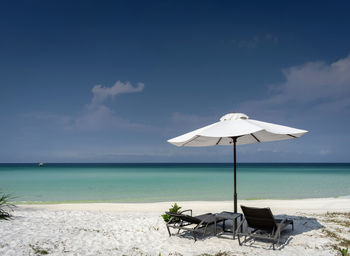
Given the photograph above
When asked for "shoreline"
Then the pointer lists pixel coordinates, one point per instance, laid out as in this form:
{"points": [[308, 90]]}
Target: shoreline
{"points": [[154, 202], [306, 205]]}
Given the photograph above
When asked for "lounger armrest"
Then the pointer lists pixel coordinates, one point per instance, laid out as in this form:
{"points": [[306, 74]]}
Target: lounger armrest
{"points": [[170, 220], [188, 210]]}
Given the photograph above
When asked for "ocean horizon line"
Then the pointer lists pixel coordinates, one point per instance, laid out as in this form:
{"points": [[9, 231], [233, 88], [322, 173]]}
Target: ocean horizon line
{"points": [[168, 163]]}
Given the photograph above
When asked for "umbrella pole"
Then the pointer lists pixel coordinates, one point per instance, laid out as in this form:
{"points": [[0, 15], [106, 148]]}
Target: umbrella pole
{"points": [[234, 176]]}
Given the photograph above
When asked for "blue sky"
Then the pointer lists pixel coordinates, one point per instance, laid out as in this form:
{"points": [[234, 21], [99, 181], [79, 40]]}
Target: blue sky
{"points": [[111, 81]]}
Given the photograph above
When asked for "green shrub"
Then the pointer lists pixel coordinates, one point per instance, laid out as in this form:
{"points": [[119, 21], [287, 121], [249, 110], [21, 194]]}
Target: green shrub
{"points": [[5, 207], [344, 252], [174, 209]]}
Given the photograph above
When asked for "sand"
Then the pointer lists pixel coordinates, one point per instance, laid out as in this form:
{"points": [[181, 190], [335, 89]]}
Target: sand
{"points": [[138, 229]]}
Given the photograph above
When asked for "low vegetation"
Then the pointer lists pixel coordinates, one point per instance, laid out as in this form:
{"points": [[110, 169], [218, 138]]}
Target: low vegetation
{"points": [[217, 254], [5, 207], [334, 218], [339, 222], [341, 241], [344, 252], [220, 253], [38, 251], [174, 209]]}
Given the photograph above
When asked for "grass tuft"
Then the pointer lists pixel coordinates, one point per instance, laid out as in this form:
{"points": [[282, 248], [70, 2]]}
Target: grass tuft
{"points": [[344, 252], [342, 241], [39, 251], [6, 207], [220, 253], [334, 218]]}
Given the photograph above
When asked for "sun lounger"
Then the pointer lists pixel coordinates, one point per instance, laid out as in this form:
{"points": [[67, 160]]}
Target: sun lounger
{"points": [[262, 224], [194, 224]]}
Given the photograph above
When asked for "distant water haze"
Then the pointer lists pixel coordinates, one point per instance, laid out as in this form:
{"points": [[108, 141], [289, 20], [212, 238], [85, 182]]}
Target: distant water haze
{"points": [[171, 182]]}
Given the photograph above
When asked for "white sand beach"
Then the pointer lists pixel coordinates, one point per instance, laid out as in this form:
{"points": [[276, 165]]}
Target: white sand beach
{"points": [[138, 229]]}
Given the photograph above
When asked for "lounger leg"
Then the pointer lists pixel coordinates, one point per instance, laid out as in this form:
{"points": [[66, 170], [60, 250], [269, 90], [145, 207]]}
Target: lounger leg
{"points": [[194, 232], [234, 229], [215, 228], [178, 231], [168, 230], [239, 240], [205, 230], [241, 225]]}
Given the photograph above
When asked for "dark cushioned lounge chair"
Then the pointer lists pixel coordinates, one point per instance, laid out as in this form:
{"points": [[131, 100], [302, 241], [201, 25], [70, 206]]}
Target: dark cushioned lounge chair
{"points": [[262, 224], [194, 224]]}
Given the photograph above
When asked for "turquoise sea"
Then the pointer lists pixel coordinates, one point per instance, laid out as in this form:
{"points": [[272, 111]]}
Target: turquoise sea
{"points": [[171, 182]]}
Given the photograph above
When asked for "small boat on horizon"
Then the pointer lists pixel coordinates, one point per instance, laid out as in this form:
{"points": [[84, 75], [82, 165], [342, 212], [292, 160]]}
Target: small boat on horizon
{"points": [[41, 164]]}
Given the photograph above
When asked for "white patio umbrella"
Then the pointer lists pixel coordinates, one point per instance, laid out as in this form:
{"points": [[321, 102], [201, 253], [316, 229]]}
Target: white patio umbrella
{"points": [[236, 129]]}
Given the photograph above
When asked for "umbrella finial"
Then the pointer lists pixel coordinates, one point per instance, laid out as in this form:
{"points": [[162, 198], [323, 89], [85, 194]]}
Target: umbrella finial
{"points": [[234, 116]]}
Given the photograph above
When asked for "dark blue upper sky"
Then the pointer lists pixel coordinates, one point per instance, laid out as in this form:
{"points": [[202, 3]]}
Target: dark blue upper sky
{"points": [[111, 81]]}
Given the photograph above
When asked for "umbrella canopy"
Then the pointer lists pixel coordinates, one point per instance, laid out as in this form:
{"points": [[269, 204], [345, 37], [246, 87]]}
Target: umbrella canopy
{"points": [[237, 125], [236, 129]]}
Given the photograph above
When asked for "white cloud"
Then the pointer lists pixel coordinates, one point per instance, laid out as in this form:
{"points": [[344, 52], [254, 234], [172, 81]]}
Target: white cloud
{"points": [[315, 86], [101, 93], [96, 115], [317, 80]]}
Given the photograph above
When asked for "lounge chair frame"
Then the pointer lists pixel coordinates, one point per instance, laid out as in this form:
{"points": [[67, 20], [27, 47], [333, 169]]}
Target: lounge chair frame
{"points": [[194, 224], [261, 219]]}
